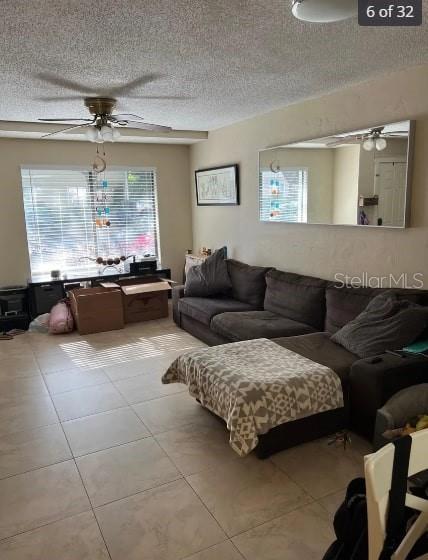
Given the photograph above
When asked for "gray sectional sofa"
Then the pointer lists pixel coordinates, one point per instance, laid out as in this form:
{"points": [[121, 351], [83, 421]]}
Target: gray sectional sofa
{"points": [[301, 313]]}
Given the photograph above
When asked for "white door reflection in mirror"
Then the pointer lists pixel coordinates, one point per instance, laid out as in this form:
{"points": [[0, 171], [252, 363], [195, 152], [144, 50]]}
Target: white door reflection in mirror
{"points": [[391, 188]]}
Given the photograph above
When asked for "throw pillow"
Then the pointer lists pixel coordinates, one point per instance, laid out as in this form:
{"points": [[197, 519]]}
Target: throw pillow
{"points": [[210, 278], [248, 282], [387, 323]]}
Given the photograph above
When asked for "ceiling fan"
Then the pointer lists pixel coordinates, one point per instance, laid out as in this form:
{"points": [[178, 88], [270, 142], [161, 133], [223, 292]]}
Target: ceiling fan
{"points": [[375, 138], [103, 124]]}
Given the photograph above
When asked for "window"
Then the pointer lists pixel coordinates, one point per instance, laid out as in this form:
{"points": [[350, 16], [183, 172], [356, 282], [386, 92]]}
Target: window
{"points": [[283, 195], [67, 212]]}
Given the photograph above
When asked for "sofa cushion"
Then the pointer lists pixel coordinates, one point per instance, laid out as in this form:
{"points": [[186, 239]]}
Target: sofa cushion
{"points": [[248, 325], [204, 309], [210, 278], [321, 349], [248, 282], [388, 323], [301, 298]]}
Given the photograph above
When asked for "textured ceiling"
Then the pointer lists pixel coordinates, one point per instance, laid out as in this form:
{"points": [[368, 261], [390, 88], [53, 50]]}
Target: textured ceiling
{"points": [[231, 58]]}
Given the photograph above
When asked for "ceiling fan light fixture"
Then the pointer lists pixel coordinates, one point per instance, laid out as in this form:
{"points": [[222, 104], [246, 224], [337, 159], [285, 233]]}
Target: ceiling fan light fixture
{"points": [[91, 133], [381, 144], [324, 11], [369, 145], [99, 139], [106, 133]]}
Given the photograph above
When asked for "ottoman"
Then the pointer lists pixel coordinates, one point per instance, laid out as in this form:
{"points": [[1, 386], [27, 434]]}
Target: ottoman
{"points": [[259, 388]]}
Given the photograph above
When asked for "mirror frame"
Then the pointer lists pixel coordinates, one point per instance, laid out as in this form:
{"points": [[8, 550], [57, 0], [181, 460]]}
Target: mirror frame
{"points": [[409, 180]]}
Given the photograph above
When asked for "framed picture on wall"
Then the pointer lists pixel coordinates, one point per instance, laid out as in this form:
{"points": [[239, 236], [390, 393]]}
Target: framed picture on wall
{"points": [[218, 186]]}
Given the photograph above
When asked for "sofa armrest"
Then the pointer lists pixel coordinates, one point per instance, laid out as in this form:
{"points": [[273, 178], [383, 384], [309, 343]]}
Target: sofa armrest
{"points": [[373, 381], [177, 294]]}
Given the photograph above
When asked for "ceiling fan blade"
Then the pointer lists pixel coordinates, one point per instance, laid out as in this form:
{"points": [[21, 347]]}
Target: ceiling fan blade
{"points": [[347, 138], [66, 84], [160, 97], [59, 119], [149, 126], [352, 137], [125, 117], [344, 140], [121, 91], [60, 98], [63, 130]]}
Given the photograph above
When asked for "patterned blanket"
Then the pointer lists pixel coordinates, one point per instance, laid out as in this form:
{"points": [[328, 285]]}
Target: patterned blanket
{"points": [[256, 385]]}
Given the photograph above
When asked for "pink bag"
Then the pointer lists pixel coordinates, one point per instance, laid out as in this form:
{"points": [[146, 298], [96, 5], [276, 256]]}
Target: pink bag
{"points": [[61, 320]]}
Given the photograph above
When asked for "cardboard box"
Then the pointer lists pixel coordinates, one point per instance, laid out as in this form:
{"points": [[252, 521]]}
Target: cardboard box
{"points": [[145, 301], [97, 309]]}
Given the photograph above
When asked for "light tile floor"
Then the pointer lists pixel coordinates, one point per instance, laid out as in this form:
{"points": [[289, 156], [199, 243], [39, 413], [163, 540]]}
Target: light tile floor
{"points": [[99, 461]]}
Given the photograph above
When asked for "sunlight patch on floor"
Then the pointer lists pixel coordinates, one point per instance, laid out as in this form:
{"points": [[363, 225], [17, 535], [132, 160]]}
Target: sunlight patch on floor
{"points": [[173, 341], [85, 356]]}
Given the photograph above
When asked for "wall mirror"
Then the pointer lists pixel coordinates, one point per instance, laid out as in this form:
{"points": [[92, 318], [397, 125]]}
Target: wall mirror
{"points": [[353, 178]]}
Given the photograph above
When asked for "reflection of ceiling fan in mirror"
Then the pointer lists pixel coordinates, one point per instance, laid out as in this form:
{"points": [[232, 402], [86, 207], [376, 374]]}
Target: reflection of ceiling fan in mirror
{"points": [[375, 138], [104, 123]]}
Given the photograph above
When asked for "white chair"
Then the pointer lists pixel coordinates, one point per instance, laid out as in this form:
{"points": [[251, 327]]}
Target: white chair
{"points": [[378, 471]]}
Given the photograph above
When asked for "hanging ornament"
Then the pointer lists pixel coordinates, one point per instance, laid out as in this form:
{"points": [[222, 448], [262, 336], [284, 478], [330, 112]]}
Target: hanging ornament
{"points": [[274, 166], [99, 165], [101, 195]]}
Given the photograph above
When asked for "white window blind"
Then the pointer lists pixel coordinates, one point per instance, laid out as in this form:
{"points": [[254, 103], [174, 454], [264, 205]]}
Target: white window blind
{"points": [[283, 195], [63, 206]]}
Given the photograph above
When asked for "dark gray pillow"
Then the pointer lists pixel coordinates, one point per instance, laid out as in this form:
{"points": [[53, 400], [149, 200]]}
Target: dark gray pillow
{"points": [[345, 303], [210, 278], [387, 323], [248, 282]]}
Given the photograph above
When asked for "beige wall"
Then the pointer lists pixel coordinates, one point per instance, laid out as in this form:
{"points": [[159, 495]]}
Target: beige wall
{"points": [[311, 249], [346, 165], [171, 161]]}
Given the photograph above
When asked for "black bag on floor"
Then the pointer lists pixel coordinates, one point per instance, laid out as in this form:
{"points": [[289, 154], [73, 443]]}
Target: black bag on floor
{"points": [[350, 525]]}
